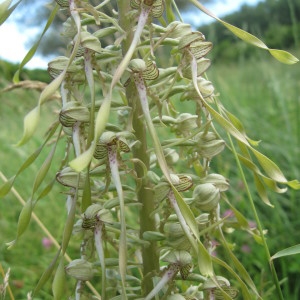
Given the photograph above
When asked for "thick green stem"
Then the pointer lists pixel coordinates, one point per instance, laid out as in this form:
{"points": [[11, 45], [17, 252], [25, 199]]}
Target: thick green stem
{"points": [[144, 192]]}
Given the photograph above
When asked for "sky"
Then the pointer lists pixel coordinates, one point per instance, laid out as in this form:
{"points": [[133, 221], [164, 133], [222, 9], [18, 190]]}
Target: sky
{"points": [[14, 40]]}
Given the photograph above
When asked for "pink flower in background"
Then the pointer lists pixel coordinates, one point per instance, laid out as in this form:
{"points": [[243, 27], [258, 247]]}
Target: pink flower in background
{"points": [[246, 248], [252, 224], [228, 213], [47, 243]]}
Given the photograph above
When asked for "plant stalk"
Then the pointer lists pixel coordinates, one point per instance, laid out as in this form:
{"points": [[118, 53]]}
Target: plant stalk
{"points": [[144, 192]]}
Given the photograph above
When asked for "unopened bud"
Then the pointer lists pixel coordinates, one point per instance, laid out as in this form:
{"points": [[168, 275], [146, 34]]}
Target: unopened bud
{"points": [[206, 196], [73, 112], [217, 180], [68, 177], [80, 269]]}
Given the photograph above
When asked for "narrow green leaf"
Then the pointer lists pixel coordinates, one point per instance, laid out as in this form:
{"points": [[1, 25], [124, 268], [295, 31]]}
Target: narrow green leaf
{"points": [[86, 196], [239, 126], [113, 164], [69, 225], [280, 55], [204, 259], [244, 35], [241, 269], [228, 126], [46, 190], [33, 49], [23, 222], [5, 12], [40, 176], [245, 290], [46, 275], [261, 190], [59, 281], [83, 160], [239, 216], [284, 56], [269, 166], [6, 187], [288, 251]]}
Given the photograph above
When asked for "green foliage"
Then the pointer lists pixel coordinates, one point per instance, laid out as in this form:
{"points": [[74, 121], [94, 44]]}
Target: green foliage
{"points": [[145, 194]]}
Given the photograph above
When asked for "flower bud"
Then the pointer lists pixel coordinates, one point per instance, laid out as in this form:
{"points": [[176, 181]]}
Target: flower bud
{"points": [[218, 181], [206, 196], [57, 65], [209, 145], [171, 156], [73, 112], [206, 87], [137, 65], [89, 41], [200, 48], [202, 65], [186, 40], [176, 237], [68, 177], [211, 149], [178, 29], [80, 269], [185, 123], [202, 221]]}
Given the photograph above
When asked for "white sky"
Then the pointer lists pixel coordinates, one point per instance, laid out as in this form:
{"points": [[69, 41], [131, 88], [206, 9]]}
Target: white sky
{"points": [[13, 46]]}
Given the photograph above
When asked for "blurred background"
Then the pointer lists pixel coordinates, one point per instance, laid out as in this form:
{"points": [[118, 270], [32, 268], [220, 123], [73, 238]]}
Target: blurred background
{"points": [[260, 91]]}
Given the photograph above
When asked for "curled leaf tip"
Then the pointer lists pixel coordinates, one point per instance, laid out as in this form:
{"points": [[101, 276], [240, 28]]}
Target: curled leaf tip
{"points": [[82, 161], [30, 125], [284, 56]]}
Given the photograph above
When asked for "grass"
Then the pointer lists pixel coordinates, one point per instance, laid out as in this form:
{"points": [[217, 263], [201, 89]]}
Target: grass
{"points": [[262, 93]]}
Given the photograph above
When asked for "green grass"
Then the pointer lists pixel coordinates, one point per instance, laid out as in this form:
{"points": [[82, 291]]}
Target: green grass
{"points": [[262, 93]]}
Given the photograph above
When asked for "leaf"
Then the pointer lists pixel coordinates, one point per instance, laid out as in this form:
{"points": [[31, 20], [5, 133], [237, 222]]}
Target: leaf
{"points": [[238, 265], [33, 49], [245, 291], [288, 251], [262, 190], [23, 222], [284, 56], [40, 176], [204, 259], [46, 275], [46, 190], [269, 167], [280, 55], [6, 187], [31, 121], [5, 12], [83, 160]]}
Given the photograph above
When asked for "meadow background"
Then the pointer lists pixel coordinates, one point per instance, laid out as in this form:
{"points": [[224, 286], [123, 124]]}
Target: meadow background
{"points": [[261, 92]]}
